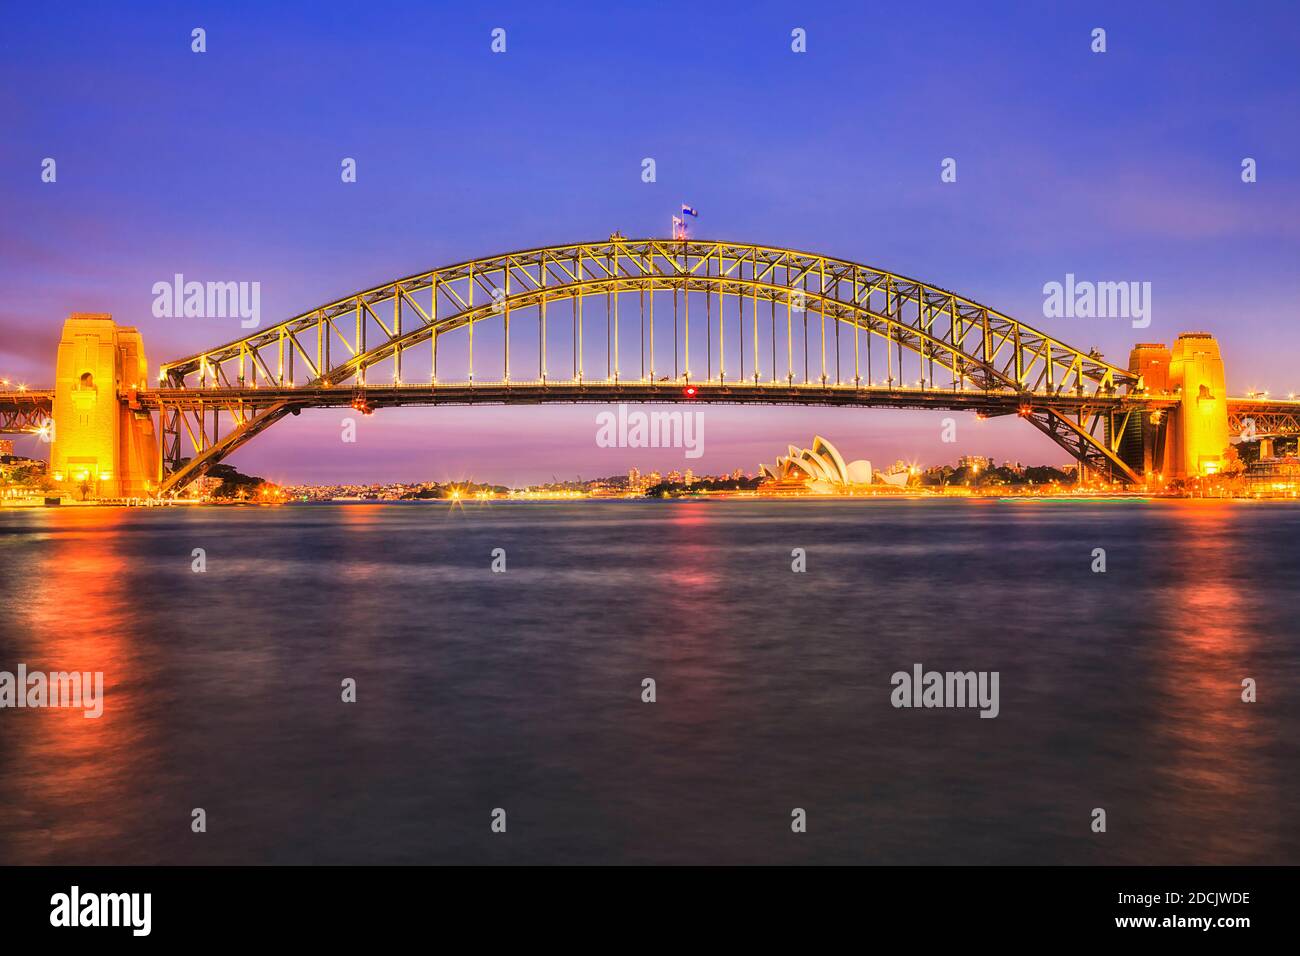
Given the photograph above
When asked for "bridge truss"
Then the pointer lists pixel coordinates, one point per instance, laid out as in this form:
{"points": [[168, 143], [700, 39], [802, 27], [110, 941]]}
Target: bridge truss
{"points": [[644, 320], [25, 411], [1251, 416]]}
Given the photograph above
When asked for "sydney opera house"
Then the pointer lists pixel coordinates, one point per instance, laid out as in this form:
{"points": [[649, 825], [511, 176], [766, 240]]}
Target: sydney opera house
{"points": [[822, 470]]}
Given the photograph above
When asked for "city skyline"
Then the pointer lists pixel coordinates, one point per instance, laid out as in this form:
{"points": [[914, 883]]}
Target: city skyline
{"points": [[666, 471]]}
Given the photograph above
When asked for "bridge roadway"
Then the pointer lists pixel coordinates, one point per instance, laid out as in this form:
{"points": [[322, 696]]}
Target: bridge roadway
{"points": [[639, 390], [24, 410], [1070, 420]]}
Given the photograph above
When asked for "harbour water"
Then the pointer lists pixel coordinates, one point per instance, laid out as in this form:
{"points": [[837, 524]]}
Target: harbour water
{"points": [[522, 690]]}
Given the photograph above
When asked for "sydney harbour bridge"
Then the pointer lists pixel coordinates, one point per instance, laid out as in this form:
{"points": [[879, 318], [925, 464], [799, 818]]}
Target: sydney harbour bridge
{"points": [[631, 320]]}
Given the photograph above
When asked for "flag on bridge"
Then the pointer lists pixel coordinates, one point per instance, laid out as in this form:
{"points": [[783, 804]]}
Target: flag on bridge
{"points": [[690, 211]]}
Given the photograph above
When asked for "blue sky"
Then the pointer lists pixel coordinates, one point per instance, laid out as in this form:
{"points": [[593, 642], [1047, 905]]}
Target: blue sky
{"points": [[1116, 166]]}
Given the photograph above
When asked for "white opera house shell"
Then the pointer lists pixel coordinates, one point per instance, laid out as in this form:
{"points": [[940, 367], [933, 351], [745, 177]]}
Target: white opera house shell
{"points": [[821, 469]]}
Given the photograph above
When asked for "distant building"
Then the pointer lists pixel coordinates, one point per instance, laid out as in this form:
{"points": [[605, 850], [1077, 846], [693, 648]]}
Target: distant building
{"points": [[202, 487], [1274, 476], [896, 475], [820, 469], [9, 464], [6, 446]]}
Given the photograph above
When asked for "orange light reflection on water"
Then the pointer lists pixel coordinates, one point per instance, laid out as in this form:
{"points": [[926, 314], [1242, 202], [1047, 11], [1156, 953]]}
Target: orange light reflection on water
{"points": [[1213, 765], [77, 771]]}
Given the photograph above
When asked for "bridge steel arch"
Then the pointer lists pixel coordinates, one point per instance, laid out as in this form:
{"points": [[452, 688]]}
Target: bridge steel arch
{"points": [[940, 349]]}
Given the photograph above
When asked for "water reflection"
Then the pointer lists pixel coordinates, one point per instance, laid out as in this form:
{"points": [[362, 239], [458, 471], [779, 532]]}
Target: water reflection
{"points": [[523, 688], [1211, 740], [69, 780]]}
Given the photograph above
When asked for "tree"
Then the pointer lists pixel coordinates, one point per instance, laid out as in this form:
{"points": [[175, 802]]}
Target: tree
{"points": [[1233, 464]]}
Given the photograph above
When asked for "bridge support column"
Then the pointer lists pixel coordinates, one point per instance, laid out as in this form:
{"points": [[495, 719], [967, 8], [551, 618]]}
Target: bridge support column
{"points": [[1143, 444], [1192, 439], [1198, 430], [104, 443]]}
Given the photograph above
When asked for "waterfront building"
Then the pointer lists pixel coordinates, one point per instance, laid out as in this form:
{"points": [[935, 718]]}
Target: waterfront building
{"points": [[820, 469], [1274, 477]]}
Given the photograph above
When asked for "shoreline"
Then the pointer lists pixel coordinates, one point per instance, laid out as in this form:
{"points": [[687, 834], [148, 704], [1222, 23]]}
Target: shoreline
{"points": [[1086, 498]]}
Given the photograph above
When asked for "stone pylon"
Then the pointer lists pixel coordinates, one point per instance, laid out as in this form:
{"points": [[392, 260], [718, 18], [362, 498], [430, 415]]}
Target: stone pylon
{"points": [[1199, 431], [1192, 439], [104, 442]]}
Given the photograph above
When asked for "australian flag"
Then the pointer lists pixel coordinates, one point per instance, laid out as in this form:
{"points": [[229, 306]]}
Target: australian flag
{"points": [[690, 211]]}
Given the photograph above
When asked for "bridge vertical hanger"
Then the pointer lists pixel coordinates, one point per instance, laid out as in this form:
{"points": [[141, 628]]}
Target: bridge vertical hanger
{"points": [[821, 313], [650, 259], [582, 357], [753, 306], [505, 362], [722, 335], [361, 341], [708, 326], [541, 334], [686, 311], [677, 350], [889, 338], [789, 327], [616, 297], [772, 303], [397, 333], [470, 320], [857, 328]]}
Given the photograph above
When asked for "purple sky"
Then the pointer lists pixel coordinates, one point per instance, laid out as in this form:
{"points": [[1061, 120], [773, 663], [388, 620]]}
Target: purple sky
{"points": [[225, 165]]}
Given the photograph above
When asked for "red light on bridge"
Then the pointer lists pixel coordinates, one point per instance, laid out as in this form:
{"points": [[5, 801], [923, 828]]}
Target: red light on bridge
{"points": [[689, 391]]}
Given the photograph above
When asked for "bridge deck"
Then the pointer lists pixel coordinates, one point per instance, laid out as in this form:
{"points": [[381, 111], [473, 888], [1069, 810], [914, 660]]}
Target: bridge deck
{"points": [[26, 396], [23, 411], [16, 401], [640, 390]]}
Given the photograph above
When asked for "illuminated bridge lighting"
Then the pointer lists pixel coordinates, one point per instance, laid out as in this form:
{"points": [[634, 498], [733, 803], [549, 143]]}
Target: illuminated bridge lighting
{"points": [[639, 320]]}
